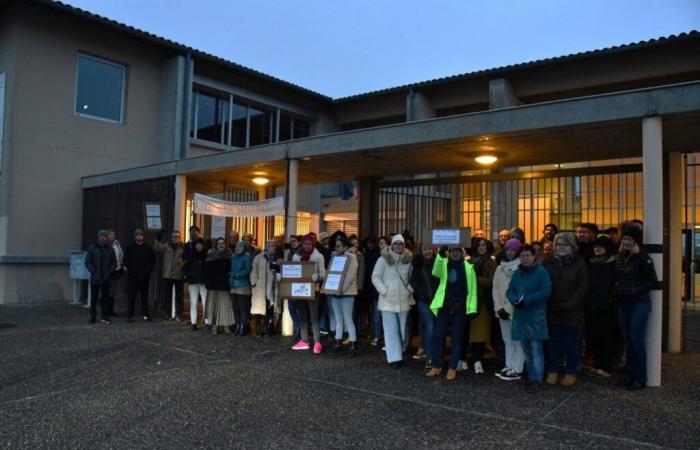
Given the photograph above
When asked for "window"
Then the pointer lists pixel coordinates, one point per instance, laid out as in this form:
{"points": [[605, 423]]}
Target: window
{"points": [[239, 124], [260, 126], [210, 118], [285, 127], [293, 128], [302, 129], [100, 89]]}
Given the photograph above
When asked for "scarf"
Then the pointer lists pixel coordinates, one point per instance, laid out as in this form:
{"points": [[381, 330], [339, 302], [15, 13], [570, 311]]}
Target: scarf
{"points": [[509, 267], [219, 255], [568, 259], [304, 255]]}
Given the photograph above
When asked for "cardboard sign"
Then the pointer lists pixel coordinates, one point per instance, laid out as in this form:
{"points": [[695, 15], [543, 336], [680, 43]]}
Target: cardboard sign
{"points": [[297, 282], [452, 237], [298, 270], [335, 275]]}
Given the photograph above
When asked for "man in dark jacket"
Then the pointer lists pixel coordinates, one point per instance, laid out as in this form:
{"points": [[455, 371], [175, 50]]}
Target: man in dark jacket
{"points": [[100, 261], [585, 233], [424, 285], [139, 261]]}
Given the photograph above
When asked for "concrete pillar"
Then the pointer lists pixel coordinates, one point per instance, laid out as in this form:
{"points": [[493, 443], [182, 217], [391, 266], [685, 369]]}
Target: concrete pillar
{"points": [[502, 94], [675, 255], [418, 107], [260, 231], [290, 226], [368, 208], [173, 113], [180, 204], [652, 160]]}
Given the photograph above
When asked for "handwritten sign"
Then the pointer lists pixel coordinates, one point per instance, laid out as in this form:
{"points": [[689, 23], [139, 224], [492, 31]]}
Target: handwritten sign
{"points": [[302, 289], [338, 264], [291, 271], [446, 237], [333, 282]]}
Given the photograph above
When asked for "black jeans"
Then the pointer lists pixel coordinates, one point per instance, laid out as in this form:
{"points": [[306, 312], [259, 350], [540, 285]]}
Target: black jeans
{"points": [[140, 287], [179, 296], [241, 308], [604, 331], [99, 292]]}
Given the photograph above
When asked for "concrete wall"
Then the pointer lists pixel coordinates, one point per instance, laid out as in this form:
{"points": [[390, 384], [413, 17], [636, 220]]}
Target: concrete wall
{"points": [[51, 148]]}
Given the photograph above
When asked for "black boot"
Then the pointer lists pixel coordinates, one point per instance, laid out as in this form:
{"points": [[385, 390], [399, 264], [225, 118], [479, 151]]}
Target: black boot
{"points": [[245, 329], [337, 346], [353, 350]]}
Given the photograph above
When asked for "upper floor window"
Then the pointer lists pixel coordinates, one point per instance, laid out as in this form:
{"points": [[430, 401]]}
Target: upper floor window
{"points": [[100, 89], [232, 120]]}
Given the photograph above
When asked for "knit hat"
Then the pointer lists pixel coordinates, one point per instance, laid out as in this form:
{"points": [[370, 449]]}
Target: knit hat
{"points": [[397, 238], [310, 237], [634, 232], [513, 244], [605, 242], [138, 232], [101, 233], [322, 236]]}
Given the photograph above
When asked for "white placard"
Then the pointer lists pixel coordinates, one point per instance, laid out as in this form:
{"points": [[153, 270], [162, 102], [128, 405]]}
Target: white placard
{"points": [[301, 289], [332, 282], [446, 237], [338, 264], [291, 271], [218, 227], [153, 223], [153, 210]]}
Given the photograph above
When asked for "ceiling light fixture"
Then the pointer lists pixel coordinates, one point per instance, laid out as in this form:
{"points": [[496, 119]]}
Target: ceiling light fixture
{"points": [[260, 181], [486, 159]]}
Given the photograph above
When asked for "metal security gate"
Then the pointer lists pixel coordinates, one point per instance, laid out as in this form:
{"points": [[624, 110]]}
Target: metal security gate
{"points": [[605, 196]]}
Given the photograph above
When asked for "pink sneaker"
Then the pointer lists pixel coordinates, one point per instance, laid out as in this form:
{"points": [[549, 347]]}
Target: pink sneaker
{"points": [[318, 348], [301, 345]]}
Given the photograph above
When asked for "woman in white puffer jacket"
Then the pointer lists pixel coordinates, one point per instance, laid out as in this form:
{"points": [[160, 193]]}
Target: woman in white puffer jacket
{"points": [[391, 277], [515, 358]]}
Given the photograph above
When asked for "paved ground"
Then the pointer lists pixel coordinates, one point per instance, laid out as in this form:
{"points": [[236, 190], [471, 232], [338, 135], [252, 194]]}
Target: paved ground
{"points": [[67, 384]]}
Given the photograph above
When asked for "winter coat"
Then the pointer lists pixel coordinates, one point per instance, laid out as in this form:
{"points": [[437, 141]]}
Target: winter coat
{"points": [[636, 276], [480, 326], [349, 286], [172, 260], [193, 267], [569, 290], [440, 271], [424, 284], [533, 285], [320, 263], [501, 280], [360, 270], [100, 261], [603, 276], [371, 259], [216, 274], [391, 278], [264, 283], [139, 261], [241, 266]]}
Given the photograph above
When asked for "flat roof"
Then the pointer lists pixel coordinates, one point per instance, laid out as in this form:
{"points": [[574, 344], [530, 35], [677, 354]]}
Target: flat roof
{"points": [[498, 71]]}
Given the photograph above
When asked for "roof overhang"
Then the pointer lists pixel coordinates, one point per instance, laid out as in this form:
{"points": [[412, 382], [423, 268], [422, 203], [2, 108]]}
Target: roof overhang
{"points": [[581, 129]]}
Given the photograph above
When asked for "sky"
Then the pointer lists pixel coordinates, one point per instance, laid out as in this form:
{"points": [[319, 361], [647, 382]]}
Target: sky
{"points": [[342, 48]]}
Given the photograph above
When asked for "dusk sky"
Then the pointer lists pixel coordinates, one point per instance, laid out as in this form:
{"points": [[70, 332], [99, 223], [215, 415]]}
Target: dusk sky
{"points": [[345, 48]]}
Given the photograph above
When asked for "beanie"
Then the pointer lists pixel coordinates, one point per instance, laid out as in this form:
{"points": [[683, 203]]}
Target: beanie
{"points": [[513, 244], [634, 232], [101, 233], [397, 238], [138, 232], [605, 242]]}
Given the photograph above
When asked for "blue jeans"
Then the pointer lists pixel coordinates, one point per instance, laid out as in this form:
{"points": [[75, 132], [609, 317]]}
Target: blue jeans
{"points": [[445, 319], [633, 324], [378, 331], [394, 334], [292, 304], [342, 310], [564, 349], [427, 328], [534, 359]]}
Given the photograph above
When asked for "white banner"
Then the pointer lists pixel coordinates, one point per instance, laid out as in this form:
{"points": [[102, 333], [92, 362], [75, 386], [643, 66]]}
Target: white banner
{"points": [[214, 207]]}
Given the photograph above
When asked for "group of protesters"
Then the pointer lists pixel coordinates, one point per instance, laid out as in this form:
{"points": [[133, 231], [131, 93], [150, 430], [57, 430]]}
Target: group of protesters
{"points": [[565, 304]]}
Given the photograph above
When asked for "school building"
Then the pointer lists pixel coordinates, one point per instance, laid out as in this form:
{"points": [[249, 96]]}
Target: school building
{"points": [[101, 122]]}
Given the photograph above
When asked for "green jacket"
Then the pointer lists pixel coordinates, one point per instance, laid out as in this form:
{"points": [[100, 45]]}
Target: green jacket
{"points": [[440, 271]]}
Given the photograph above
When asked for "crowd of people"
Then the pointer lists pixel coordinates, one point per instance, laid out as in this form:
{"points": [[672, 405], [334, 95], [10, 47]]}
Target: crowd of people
{"points": [[554, 308]]}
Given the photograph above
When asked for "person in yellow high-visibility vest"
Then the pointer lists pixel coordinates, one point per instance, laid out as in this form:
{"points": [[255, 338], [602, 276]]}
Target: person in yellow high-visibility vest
{"points": [[454, 304]]}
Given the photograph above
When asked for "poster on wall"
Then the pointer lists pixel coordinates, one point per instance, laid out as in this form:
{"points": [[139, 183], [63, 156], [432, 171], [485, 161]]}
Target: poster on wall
{"points": [[218, 227], [153, 216]]}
